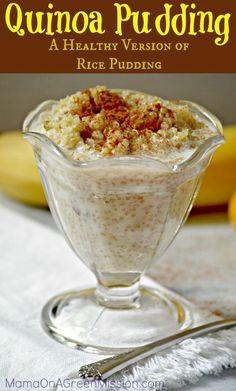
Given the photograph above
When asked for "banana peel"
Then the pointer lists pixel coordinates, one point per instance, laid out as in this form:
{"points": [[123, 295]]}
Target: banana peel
{"points": [[19, 176], [232, 210], [219, 181]]}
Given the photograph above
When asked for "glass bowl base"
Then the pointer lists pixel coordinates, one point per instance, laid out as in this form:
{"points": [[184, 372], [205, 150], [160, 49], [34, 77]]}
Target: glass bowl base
{"points": [[77, 320]]}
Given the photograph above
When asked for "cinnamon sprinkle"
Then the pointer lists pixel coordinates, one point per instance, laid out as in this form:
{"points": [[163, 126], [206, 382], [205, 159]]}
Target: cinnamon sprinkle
{"points": [[105, 123]]}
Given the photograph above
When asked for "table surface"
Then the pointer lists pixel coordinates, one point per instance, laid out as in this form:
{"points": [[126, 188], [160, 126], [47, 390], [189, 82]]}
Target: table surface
{"points": [[226, 381]]}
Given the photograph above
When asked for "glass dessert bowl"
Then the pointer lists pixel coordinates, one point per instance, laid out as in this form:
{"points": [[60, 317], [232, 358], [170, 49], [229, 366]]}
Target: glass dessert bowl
{"points": [[118, 214]]}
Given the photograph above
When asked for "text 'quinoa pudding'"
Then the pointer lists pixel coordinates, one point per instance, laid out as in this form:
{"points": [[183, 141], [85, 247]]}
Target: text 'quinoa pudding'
{"points": [[98, 122]]}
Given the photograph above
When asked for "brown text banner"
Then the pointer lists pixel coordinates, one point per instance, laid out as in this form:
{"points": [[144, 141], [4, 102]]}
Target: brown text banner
{"points": [[89, 36]]}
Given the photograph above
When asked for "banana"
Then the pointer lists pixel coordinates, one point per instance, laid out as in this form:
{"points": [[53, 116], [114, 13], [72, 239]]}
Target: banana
{"points": [[19, 176], [232, 210], [219, 181]]}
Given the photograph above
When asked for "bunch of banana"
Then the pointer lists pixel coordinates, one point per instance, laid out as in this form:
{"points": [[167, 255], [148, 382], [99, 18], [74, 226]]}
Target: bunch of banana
{"points": [[19, 177]]}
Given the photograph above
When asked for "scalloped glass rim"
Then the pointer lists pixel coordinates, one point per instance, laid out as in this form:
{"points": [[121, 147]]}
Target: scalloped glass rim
{"points": [[206, 147]]}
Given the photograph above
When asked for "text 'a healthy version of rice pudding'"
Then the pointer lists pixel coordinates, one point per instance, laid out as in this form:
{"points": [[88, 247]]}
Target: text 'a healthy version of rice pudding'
{"points": [[121, 213]]}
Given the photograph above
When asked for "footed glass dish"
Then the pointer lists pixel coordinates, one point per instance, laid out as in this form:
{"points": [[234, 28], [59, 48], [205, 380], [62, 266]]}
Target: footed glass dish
{"points": [[118, 214]]}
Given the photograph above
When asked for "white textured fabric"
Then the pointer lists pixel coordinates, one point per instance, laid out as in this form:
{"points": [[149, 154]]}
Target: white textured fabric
{"points": [[35, 264], [201, 266]]}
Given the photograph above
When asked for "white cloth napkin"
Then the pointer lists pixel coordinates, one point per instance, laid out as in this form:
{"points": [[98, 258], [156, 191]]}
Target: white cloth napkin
{"points": [[36, 264]]}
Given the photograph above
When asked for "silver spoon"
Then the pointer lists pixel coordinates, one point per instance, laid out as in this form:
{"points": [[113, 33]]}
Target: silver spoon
{"points": [[105, 368]]}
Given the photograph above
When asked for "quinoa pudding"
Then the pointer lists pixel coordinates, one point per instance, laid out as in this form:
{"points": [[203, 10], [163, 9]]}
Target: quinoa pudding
{"points": [[120, 214]]}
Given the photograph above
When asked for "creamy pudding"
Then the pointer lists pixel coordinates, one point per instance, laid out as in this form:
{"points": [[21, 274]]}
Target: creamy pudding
{"points": [[122, 202]]}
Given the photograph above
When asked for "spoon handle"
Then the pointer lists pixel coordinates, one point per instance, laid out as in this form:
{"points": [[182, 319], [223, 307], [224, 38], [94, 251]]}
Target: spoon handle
{"points": [[104, 368]]}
